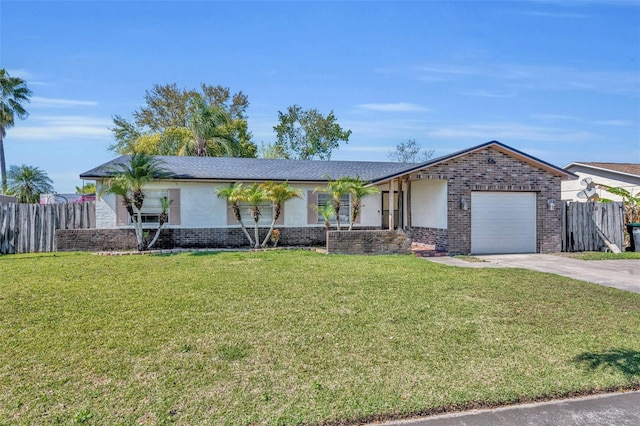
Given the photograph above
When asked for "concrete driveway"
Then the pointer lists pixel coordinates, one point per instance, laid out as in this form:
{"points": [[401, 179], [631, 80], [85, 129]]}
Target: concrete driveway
{"points": [[623, 274]]}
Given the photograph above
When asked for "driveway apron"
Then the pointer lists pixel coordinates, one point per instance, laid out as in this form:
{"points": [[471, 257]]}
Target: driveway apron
{"points": [[623, 274]]}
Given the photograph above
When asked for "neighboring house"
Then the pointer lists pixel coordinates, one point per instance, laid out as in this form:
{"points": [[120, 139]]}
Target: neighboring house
{"points": [[65, 198], [486, 199], [623, 175]]}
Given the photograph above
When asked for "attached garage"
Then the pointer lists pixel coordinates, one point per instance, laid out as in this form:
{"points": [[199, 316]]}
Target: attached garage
{"points": [[503, 222]]}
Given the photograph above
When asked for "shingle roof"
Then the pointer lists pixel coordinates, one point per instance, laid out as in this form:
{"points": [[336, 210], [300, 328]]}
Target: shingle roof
{"points": [[626, 168], [260, 169]]}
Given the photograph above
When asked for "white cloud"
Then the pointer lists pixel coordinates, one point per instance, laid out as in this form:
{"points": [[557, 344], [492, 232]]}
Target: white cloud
{"points": [[394, 107], [40, 102], [616, 123], [62, 127], [514, 77]]}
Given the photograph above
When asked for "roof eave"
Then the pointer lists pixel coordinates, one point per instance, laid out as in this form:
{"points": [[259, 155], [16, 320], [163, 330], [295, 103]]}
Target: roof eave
{"points": [[557, 171], [589, 166]]}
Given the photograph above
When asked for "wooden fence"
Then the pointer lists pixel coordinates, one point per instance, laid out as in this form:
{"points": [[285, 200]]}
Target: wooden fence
{"points": [[30, 228], [582, 220]]}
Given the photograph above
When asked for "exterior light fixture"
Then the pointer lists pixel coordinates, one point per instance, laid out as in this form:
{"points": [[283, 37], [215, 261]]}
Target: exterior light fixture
{"points": [[463, 204], [551, 204]]}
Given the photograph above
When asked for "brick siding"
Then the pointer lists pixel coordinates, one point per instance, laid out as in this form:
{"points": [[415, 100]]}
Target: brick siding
{"points": [[125, 239], [491, 170], [368, 242], [439, 238]]}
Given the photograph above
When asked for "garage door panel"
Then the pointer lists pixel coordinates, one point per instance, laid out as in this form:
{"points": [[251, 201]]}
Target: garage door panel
{"points": [[503, 222]]}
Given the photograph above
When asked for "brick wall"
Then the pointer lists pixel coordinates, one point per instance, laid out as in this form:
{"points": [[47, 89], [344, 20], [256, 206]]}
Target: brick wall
{"points": [[491, 170], [95, 239], [125, 239], [432, 236], [368, 242]]}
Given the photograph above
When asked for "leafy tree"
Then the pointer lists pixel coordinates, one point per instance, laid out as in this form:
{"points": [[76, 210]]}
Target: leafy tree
{"points": [[358, 191], [271, 150], [631, 203], [13, 95], [410, 152], [27, 183], [169, 107], [86, 189], [128, 180], [307, 134]]}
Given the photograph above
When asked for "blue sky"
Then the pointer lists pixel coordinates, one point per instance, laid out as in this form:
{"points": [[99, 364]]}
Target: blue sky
{"points": [[559, 80]]}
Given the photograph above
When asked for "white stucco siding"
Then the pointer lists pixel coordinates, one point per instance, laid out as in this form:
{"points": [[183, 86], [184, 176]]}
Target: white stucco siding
{"points": [[429, 203], [571, 188], [200, 206]]}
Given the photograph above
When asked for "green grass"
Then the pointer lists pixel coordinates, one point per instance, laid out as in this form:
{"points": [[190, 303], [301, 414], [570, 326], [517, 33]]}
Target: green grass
{"points": [[296, 337], [599, 255]]}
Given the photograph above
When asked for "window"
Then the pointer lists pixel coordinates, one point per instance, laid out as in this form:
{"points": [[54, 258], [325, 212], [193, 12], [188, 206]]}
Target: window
{"points": [[266, 210], [152, 207], [345, 208]]}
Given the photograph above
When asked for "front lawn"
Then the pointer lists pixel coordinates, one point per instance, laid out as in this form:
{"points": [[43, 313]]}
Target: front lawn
{"points": [[291, 337]]}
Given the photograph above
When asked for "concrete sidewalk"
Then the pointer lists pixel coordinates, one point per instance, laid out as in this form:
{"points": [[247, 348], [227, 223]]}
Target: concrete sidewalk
{"points": [[608, 409], [623, 274]]}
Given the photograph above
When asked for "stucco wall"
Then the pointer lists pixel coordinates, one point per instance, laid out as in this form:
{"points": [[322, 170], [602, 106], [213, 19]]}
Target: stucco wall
{"points": [[429, 203], [200, 207]]}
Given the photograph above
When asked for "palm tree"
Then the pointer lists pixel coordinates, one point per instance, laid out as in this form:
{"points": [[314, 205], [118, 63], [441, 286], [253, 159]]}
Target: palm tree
{"points": [[206, 124], [128, 180], [235, 194], [255, 196], [358, 191], [27, 183], [278, 194], [326, 211], [336, 190], [13, 94]]}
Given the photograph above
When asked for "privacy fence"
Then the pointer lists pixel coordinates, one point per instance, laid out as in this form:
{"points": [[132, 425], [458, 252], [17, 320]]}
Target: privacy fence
{"points": [[30, 228], [584, 224]]}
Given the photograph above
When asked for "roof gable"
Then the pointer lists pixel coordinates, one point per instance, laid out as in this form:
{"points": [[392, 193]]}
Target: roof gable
{"points": [[550, 168]]}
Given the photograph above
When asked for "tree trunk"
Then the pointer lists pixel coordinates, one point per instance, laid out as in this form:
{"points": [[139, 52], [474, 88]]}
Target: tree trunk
{"points": [[155, 237], [137, 224], [257, 236], [3, 165], [276, 215]]}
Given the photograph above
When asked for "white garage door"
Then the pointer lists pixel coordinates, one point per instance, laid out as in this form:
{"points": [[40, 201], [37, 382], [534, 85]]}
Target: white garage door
{"points": [[503, 222]]}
